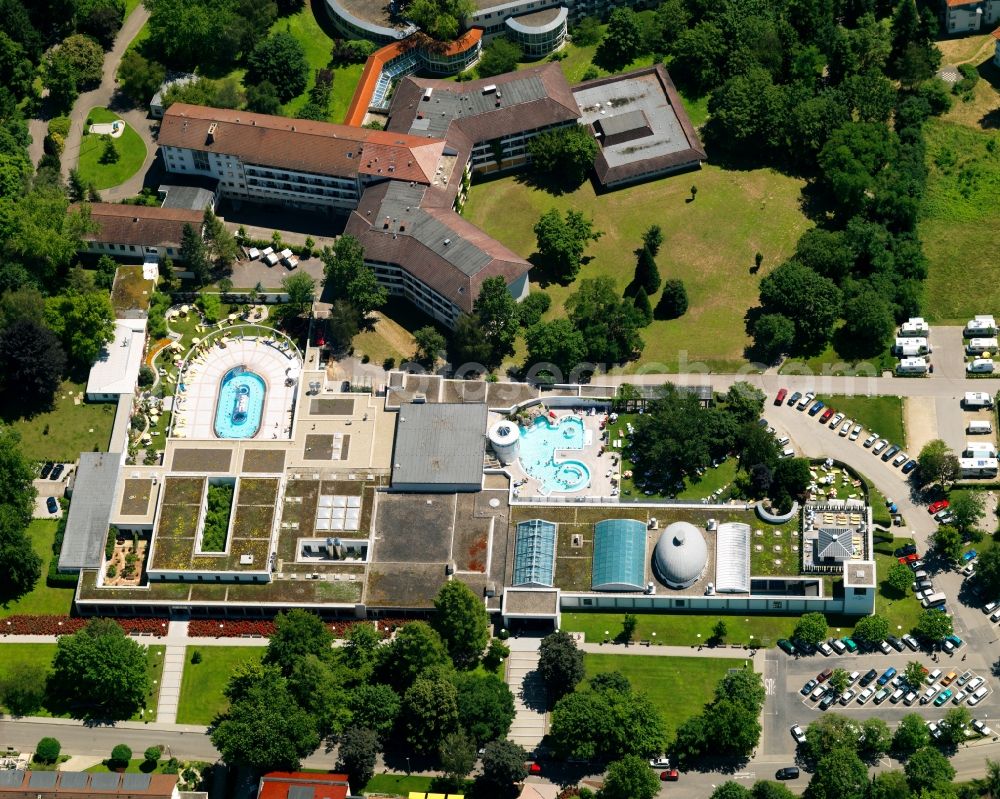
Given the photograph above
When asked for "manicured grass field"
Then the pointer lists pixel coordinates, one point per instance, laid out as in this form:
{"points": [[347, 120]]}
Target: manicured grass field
{"points": [[42, 654], [709, 244], [398, 784], [883, 415], [131, 151], [135, 766], [680, 687], [67, 430], [964, 167], [41, 600], [682, 630], [710, 481], [201, 697]]}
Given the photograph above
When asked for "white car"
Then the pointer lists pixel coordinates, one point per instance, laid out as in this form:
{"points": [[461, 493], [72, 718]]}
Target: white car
{"points": [[929, 694], [806, 401], [837, 419], [981, 728], [853, 677], [974, 684], [660, 762], [846, 697], [884, 646], [933, 676], [910, 698], [969, 570], [824, 647], [845, 428], [798, 734], [911, 642], [881, 445], [977, 697], [934, 728], [900, 459], [870, 440], [958, 698], [989, 607], [856, 432], [865, 695]]}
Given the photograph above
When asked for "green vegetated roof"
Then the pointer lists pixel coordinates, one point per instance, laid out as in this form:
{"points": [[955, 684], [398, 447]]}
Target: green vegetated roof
{"points": [[534, 553], [619, 555]]}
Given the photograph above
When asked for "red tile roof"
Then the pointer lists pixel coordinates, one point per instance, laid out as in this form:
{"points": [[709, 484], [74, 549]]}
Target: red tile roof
{"points": [[297, 784], [140, 224], [300, 144]]}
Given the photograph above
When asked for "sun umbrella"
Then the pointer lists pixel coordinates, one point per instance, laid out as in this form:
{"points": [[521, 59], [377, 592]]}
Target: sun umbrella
{"points": [[185, 309], [196, 340]]}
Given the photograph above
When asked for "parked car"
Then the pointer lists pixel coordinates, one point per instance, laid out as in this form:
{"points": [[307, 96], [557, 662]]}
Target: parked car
{"points": [[970, 555], [836, 420], [934, 728], [934, 507], [853, 677], [782, 393], [909, 560], [818, 692], [826, 416], [895, 643], [849, 643], [922, 585], [806, 689], [847, 696], [943, 697], [969, 570], [949, 678], [929, 694], [839, 646], [909, 466], [806, 400], [974, 684], [47, 469], [804, 647], [885, 648], [911, 642], [933, 676], [824, 648], [870, 440], [856, 432], [880, 696], [880, 445], [910, 698], [945, 518], [870, 675], [787, 773], [958, 698], [660, 762], [57, 471], [964, 678], [897, 696], [798, 734], [817, 407], [903, 551], [887, 675], [824, 675], [670, 775], [792, 400], [951, 643], [865, 695], [826, 701], [977, 696], [989, 607], [51, 505], [981, 728], [846, 428], [890, 453], [899, 460], [917, 564], [786, 646], [534, 768]]}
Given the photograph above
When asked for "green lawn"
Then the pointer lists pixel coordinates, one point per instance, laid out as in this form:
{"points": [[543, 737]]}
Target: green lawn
{"points": [[831, 362], [709, 243], [67, 430], [202, 684], [135, 766], [680, 687], [680, 629], [41, 600], [131, 151], [883, 415], [712, 480], [42, 654], [964, 177], [398, 784], [902, 613]]}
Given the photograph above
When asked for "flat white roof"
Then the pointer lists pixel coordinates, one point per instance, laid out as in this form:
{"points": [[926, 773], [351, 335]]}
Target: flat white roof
{"points": [[116, 369], [732, 558]]}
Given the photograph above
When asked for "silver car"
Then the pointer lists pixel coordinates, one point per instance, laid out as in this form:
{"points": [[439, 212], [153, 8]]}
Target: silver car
{"points": [[870, 440], [856, 432], [837, 419], [881, 445], [846, 427]]}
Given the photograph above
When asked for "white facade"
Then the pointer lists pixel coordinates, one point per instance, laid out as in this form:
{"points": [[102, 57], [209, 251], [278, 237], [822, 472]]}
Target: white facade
{"points": [[971, 17], [116, 370]]}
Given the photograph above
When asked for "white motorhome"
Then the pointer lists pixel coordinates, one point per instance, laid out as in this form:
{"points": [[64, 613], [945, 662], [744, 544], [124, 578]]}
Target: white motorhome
{"points": [[972, 468], [914, 327], [980, 366], [979, 345], [982, 325], [907, 347], [980, 427], [976, 449], [977, 399], [912, 366]]}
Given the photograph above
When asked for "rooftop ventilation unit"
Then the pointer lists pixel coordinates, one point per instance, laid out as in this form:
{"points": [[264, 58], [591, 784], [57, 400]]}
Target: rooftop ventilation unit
{"points": [[211, 132]]}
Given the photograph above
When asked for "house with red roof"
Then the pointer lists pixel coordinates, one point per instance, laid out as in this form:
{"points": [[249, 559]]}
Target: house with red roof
{"points": [[302, 785]]}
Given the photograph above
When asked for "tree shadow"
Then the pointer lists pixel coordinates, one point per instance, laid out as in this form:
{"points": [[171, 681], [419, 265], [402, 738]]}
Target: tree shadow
{"points": [[542, 181]]}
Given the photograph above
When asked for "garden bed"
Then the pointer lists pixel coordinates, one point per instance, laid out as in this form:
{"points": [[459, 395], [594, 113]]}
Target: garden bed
{"points": [[220, 509], [65, 625]]}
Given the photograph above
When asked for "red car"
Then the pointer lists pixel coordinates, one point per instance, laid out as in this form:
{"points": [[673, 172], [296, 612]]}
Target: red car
{"points": [[934, 507], [670, 775], [781, 396], [826, 415], [909, 559], [534, 768]]}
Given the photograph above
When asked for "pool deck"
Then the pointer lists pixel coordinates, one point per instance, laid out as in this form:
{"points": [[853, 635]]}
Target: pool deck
{"points": [[604, 468]]}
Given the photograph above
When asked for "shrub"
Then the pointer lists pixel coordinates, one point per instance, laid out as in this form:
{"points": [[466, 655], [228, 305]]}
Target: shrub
{"points": [[47, 750], [146, 376], [196, 657], [120, 756], [152, 754]]}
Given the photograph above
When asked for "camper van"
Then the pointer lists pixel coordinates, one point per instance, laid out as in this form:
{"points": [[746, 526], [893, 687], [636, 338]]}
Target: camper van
{"points": [[977, 427], [934, 600], [982, 325], [977, 399], [915, 327], [980, 345], [976, 449], [980, 366], [972, 468], [912, 366], [907, 347]]}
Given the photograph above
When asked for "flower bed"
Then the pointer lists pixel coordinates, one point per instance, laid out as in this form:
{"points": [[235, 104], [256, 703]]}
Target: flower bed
{"points": [[65, 625], [237, 628]]}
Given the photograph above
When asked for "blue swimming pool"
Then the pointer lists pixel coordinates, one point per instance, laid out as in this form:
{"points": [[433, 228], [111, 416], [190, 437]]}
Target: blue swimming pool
{"points": [[539, 442], [241, 403]]}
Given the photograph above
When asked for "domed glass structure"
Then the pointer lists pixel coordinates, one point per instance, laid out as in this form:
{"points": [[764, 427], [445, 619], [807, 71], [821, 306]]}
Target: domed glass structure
{"points": [[680, 555]]}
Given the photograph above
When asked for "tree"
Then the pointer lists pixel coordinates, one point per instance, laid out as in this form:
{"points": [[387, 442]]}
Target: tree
{"points": [[356, 754], [263, 98], [297, 633], [955, 725], [503, 764], [416, 649], [429, 343], [699, 52], [839, 775], [280, 59], [992, 780], [139, 78], [898, 578], [831, 732], [497, 312], [629, 623], [744, 687], [733, 729], [647, 276], [194, 254], [499, 56], [60, 77], [566, 155], [152, 754], [839, 681], [889, 785], [85, 56], [731, 790], [211, 307], [47, 750], [811, 301], [558, 343], [988, 572], [927, 769], [220, 244], [560, 664], [430, 712], [914, 674], [872, 629], [264, 728], [496, 653], [630, 778], [561, 241], [440, 19], [968, 508], [33, 363], [774, 336], [121, 754], [301, 290], [457, 754], [719, 632], [348, 277], [342, 324], [811, 628], [673, 302], [868, 323], [374, 707], [469, 347], [652, 239], [99, 672], [641, 303], [609, 324], [766, 789], [485, 704], [937, 463], [876, 738], [22, 690], [462, 623], [622, 42], [84, 322], [109, 152], [934, 625], [531, 308], [948, 543]]}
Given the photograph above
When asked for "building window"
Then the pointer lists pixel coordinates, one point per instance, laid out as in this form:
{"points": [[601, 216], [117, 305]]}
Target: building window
{"points": [[200, 160], [860, 592], [588, 603], [679, 603]]}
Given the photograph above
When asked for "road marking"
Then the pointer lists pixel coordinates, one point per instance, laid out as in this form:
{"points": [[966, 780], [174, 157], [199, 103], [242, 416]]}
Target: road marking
{"points": [[769, 686], [746, 775]]}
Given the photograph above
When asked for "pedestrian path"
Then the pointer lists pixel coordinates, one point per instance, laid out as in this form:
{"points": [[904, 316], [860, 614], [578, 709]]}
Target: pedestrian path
{"points": [[530, 699], [170, 684]]}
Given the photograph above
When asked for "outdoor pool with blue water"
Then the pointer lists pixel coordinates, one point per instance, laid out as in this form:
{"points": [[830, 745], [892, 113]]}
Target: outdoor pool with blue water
{"points": [[241, 404], [540, 440]]}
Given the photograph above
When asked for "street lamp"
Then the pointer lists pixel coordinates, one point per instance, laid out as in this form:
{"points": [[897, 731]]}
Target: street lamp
{"points": [[408, 765]]}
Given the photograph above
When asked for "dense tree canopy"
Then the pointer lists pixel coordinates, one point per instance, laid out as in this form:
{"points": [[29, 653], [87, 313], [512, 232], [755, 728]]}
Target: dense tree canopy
{"points": [[566, 155], [346, 276], [499, 56], [462, 623], [280, 60], [33, 362], [441, 19], [562, 241], [560, 662], [937, 463]]}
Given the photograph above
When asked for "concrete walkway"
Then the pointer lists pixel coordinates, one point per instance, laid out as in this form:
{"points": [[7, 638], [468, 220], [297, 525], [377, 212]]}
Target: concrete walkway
{"points": [[170, 684], [530, 700]]}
